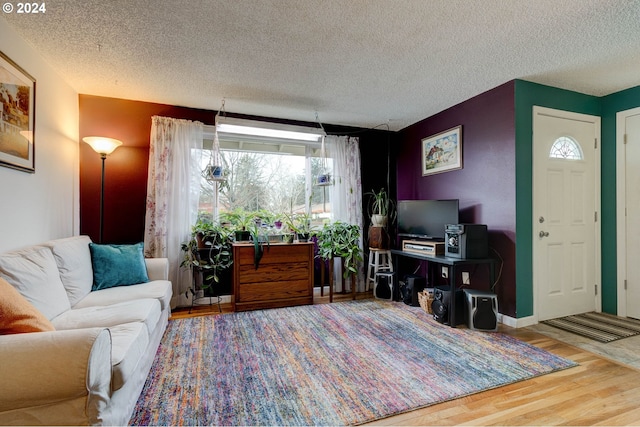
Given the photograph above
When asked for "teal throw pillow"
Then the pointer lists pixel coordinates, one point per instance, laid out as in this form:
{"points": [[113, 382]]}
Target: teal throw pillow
{"points": [[117, 265]]}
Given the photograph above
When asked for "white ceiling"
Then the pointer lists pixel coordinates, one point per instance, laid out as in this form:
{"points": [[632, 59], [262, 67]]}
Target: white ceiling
{"points": [[354, 62]]}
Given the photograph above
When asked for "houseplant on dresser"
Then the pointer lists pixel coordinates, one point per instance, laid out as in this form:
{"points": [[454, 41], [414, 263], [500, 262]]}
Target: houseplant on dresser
{"points": [[300, 223]]}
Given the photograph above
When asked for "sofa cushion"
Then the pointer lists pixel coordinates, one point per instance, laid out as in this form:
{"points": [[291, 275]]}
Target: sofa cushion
{"points": [[17, 315], [74, 264], [156, 289], [34, 273], [146, 311], [117, 265], [129, 344]]}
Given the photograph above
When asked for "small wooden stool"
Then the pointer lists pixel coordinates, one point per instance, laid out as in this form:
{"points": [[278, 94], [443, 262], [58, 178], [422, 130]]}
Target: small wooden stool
{"points": [[379, 260]]}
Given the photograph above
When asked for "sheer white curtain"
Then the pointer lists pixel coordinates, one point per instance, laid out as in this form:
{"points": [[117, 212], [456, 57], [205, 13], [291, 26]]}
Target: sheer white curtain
{"points": [[346, 192], [173, 192]]}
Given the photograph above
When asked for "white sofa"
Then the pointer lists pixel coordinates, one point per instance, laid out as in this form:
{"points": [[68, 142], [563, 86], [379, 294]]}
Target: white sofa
{"points": [[92, 368]]}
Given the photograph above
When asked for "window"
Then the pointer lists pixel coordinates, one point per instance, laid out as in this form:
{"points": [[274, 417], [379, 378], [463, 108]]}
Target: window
{"points": [[566, 148], [276, 177]]}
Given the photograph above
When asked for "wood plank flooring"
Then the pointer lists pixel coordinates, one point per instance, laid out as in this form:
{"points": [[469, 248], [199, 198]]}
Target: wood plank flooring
{"points": [[598, 392]]}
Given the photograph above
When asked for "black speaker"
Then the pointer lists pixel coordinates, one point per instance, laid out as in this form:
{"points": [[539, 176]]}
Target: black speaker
{"points": [[384, 286], [482, 310], [410, 287], [466, 241], [441, 305]]}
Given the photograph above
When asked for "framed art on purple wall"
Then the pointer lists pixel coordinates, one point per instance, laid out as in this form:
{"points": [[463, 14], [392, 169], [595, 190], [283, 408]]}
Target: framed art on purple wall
{"points": [[17, 116], [442, 152]]}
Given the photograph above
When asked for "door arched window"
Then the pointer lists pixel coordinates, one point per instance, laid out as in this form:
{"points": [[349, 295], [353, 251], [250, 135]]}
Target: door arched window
{"points": [[566, 148]]}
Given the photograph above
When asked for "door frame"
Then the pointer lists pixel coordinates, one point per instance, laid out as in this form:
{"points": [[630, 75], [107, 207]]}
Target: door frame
{"points": [[621, 203], [596, 120]]}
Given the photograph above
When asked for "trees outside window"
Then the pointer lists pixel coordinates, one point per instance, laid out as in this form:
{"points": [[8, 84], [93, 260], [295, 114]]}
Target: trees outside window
{"points": [[278, 183]]}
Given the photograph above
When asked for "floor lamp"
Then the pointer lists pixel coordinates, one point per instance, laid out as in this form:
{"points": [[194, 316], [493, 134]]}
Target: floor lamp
{"points": [[104, 147]]}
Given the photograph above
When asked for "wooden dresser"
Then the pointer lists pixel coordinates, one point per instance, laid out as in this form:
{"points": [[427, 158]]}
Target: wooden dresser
{"points": [[283, 278]]}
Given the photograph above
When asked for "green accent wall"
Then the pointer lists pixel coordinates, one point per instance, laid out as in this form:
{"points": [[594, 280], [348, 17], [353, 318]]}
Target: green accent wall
{"points": [[527, 95], [611, 105]]}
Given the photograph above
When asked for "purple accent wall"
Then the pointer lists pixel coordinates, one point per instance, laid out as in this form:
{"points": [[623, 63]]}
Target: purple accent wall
{"points": [[485, 186]]}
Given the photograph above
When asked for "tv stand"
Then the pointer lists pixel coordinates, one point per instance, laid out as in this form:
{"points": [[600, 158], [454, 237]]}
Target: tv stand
{"points": [[454, 264]]}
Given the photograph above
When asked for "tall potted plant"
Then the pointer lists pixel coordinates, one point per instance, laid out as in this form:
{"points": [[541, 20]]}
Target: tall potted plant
{"points": [[340, 239], [381, 209], [208, 255]]}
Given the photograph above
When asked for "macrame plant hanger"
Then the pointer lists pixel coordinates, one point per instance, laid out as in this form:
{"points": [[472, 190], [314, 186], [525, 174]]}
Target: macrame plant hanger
{"points": [[214, 171], [324, 178]]}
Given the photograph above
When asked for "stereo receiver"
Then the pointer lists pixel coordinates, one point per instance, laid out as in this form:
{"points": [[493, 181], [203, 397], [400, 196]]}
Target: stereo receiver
{"points": [[425, 247]]}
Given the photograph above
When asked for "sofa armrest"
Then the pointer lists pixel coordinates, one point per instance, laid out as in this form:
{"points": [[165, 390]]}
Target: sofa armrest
{"points": [[157, 268], [41, 368]]}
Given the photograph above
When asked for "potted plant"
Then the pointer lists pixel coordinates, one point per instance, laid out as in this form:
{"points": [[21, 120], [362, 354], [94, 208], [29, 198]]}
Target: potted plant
{"points": [[340, 239], [242, 223], [202, 231], [323, 179], [300, 223], [212, 260], [380, 208], [259, 240], [213, 173]]}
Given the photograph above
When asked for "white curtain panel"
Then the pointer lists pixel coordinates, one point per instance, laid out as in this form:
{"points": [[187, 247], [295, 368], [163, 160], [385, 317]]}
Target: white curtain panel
{"points": [[346, 192], [173, 193]]}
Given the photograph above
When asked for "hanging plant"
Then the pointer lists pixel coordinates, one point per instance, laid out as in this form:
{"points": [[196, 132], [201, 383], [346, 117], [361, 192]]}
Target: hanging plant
{"points": [[214, 171], [324, 178]]}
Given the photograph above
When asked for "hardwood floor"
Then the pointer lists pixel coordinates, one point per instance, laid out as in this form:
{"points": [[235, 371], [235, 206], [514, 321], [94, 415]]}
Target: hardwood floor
{"points": [[600, 391]]}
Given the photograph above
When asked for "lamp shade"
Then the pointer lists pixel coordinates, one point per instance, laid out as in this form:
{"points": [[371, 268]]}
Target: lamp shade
{"points": [[102, 145]]}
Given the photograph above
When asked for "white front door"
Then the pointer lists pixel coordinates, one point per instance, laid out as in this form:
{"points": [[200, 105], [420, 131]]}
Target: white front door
{"points": [[629, 207], [566, 186]]}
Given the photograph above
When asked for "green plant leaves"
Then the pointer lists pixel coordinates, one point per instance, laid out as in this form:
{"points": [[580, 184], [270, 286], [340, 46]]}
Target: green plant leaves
{"points": [[342, 240]]}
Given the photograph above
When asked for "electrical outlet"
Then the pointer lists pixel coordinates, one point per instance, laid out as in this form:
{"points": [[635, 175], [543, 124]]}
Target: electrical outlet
{"points": [[465, 278], [445, 272]]}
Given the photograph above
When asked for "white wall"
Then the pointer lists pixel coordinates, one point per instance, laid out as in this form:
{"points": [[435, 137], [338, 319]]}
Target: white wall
{"points": [[44, 205]]}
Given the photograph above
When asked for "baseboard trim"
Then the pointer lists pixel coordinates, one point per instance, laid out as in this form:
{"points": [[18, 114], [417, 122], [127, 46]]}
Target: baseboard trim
{"points": [[517, 322]]}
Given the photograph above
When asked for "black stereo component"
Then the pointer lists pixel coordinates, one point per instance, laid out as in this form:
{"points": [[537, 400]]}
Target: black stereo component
{"points": [[441, 305], [384, 286], [466, 241], [410, 287], [482, 310]]}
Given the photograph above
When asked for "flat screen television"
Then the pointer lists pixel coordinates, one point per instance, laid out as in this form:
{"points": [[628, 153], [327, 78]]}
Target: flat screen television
{"points": [[425, 219]]}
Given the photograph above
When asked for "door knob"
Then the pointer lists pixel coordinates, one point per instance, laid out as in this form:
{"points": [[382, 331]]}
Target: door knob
{"points": [[543, 234]]}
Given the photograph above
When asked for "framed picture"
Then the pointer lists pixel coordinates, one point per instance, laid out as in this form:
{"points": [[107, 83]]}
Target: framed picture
{"points": [[442, 152], [17, 116]]}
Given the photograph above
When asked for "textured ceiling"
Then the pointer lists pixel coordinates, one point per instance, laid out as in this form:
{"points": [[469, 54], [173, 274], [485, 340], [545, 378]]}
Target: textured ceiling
{"points": [[354, 62]]}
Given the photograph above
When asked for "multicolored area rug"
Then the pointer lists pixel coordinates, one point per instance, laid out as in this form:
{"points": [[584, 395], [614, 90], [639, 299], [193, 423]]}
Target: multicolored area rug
{"points": [[330, 364]]}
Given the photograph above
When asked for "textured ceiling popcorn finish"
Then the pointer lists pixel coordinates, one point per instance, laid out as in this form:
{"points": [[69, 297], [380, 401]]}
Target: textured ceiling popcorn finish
{"points": [[356, 62]]}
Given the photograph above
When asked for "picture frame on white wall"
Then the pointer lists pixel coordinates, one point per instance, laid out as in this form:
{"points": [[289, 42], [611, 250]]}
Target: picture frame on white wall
{"points": [[17, 116], [442, 152]]}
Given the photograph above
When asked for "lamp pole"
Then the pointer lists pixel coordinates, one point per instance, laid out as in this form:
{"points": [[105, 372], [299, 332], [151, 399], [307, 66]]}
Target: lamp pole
{"points": [[104, 147], [103, 156]]}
